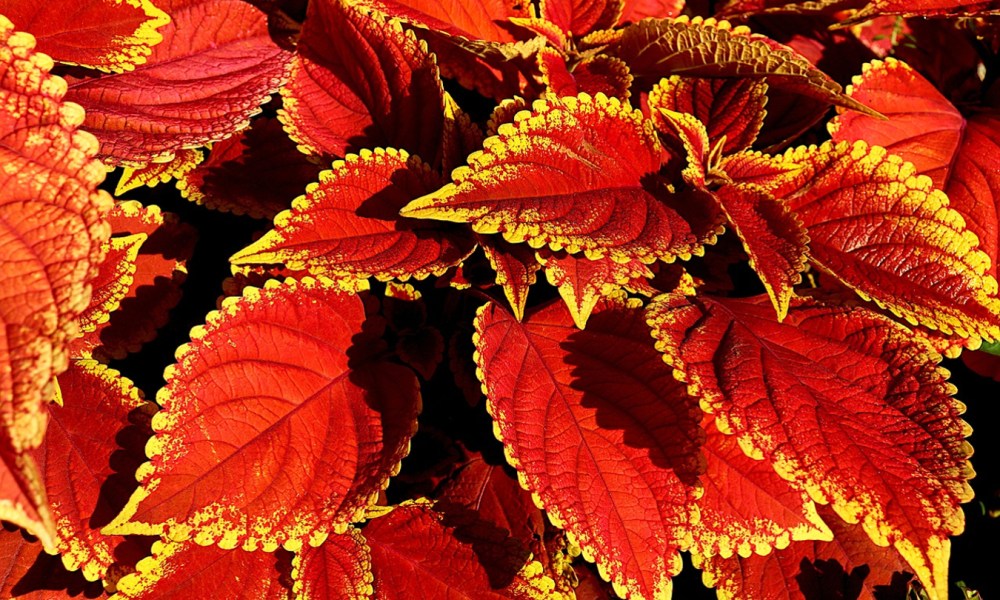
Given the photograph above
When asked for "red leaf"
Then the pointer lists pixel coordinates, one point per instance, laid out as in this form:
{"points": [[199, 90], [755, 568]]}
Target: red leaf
{"points": [[583, 282], [464, 563], [359, 81], [850, 566], [747, 508], [256, 172], [154, 287], [577, 173], [109, 35], [594, 75], [251, 448], [216, 61], [599, 431], [579, 17], [97, 407], [730, 108], [27, 572], [930, 8], [347, 226], [154, 173], [469, 19], [176, 570], [876, 432], [961, 156], [772, 237], [51, 232], [112, 284], [339, 568], [637, 10], [982, 363], [516, 269], [884, 232]]}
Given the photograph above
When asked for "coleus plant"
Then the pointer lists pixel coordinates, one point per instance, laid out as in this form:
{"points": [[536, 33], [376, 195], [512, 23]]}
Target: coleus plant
{"points": [[735, 350]]}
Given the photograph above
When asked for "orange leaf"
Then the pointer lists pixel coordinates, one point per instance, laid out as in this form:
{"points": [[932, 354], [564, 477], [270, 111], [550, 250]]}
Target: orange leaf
{"points": [[600, 433], [110, 35], [576, 173], [341, 567], [876, 432], [216, 63], [347, 226], [250, 447]]}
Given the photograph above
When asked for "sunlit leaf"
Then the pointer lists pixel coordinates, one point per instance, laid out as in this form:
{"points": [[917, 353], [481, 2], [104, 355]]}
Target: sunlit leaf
{"points": [[100, 414], [341, 567], [877, 434], [579, 17], [516, 269], [848, 566], [152, 174], [596, 75], [27, 572], [259, 447], [214, 68], [110, 35], [176, 570], [960, 155], [576, 173], [884, 231], [348, 224], [599, 431]]}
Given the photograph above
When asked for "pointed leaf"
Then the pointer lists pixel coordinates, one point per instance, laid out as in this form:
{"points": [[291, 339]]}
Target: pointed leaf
{"points": [[576, 173], [469, 19], [113, 281], [341, 567], [876, 432], [216, 62], [961, 156], [772, 236], [110, 35], [655, 48], [747, 508], [516, 269], [154, 287], [177, 569], [464, 564], [85, 491], [850, 566], [348, 224], [154, 173], [359, 81], [730, 108], [51, 231], [583, 282], [637, 10], [257, 172], [599, 431], [884, 231], [244, 457], [22, 497]]}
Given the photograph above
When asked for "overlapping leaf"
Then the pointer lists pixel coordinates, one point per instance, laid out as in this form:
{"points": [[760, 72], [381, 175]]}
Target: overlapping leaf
{"points": [[154, 173], [730, 109], [579, 17], [51, 231], [341, 567], [884, 231], [27, 572], [599, 431], [469, 560], [961, 156], [259, 447], [348, 225], [360, 81], [596, 75], [178, 570], [94, 420], [877, 434], [257, 172], [576, 173], [213, 70], [930, 8], [110, 35], [637, 10], [747, 508], [848, 566], [516, 271], [656, 48], [133, 306]]}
